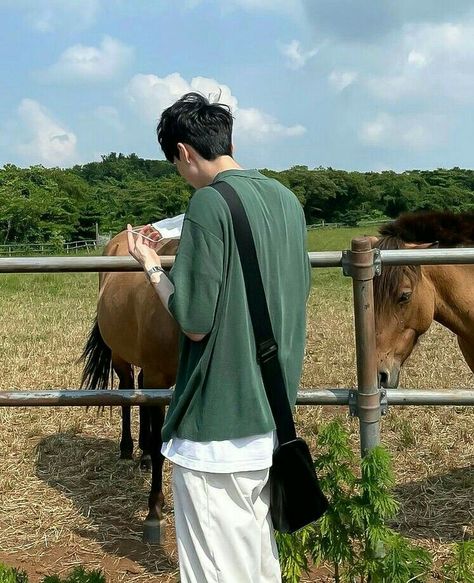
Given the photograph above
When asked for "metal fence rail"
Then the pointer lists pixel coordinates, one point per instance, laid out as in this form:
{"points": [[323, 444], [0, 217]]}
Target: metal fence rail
{"points": [[318, 259], [82, 398]]}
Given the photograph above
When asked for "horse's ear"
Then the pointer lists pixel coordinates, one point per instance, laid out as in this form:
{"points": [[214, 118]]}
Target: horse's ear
{"points": [[373, 240], [434, 245]]}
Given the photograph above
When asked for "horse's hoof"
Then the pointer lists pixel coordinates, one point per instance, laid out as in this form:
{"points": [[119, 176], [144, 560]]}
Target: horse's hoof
{"points": [[126, 455], [154, 531], [145, 463]]}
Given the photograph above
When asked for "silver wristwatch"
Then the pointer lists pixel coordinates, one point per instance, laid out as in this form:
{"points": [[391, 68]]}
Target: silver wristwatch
{"points": [[153, 270]]}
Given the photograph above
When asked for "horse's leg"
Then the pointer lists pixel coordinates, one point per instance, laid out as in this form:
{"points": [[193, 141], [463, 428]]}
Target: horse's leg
{"points": [[153, 528], [144, 435], [467, 349], [126, 441], [124, 372]]}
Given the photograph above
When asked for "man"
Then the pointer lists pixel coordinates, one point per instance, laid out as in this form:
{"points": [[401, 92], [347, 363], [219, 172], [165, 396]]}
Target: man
{"points": [[219, 430]]}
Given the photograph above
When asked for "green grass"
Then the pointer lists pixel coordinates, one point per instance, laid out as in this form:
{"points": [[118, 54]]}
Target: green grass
{"points": [[79, 286], [330, 281], [336, 239], [39, 285], [15, 286]]}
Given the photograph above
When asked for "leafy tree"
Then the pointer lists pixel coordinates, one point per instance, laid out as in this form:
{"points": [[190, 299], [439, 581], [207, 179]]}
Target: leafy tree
{"points": [[39, 204]]}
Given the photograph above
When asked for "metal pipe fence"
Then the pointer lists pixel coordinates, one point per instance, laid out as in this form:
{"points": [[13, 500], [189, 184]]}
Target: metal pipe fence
{"points": [[318, 260], [84, 398], [368, 401]]}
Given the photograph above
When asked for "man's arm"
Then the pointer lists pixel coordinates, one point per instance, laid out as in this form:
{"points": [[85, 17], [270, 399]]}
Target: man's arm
{"points": [[165, 289], [142, 251]]}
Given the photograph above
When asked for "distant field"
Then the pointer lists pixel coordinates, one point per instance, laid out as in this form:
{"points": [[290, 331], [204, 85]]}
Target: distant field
{"points": [[64, 498], [336, 239], [328, 281]]}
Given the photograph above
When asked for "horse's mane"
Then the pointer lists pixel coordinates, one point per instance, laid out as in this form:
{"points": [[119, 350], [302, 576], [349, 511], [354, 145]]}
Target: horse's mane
{"points": [[445, 228]]}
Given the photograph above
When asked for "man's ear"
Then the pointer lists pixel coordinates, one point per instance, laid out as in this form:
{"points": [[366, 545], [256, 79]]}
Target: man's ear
{"points": [[434, 245], [183, 152]]}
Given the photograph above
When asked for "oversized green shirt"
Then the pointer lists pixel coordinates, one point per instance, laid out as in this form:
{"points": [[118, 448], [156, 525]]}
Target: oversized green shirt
{"points": [[219, 391]]}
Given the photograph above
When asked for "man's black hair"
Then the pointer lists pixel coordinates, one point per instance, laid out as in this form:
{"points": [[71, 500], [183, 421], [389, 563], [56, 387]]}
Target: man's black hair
{"points": [[193, 120]]}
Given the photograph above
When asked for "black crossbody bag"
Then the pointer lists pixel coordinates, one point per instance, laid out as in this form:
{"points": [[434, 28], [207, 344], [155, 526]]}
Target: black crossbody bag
{"points": [[296, 498]]}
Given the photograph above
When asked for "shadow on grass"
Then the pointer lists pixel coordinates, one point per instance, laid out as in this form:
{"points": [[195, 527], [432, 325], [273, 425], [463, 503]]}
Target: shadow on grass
{"points": [[111, 494], [439, 507]]}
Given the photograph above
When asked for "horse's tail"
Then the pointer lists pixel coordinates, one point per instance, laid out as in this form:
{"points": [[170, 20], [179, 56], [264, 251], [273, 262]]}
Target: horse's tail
{"points": [[97, 358]]}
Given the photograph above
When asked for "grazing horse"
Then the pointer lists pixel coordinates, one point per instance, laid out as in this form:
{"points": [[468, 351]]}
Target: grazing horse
{"points": [[408, 298], [132, 328]]}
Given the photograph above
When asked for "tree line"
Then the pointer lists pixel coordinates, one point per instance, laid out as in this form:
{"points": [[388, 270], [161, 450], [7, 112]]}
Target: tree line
{"points": [[40, 204]]}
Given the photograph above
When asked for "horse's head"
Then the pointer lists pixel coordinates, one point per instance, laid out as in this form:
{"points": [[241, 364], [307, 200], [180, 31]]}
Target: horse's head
{"points": [[404, 309]]}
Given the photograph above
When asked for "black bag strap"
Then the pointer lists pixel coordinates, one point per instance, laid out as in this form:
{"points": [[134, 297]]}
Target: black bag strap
{"points": [[267, 349]]}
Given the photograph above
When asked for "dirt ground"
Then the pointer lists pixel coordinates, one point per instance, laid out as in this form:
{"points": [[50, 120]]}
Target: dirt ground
{"points": [[66, 500]]}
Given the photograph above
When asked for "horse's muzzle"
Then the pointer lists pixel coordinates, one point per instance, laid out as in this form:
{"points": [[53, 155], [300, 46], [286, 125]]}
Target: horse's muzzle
{"points": [[388, 379]]}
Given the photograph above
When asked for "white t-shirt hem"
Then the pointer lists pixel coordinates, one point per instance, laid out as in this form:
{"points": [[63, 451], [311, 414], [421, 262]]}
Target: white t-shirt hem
{"points": [[222, 457], [219, 467]]}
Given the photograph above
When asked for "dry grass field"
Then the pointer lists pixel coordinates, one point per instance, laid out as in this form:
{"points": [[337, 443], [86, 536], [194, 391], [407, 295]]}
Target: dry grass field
{"points": [[65, 499]]}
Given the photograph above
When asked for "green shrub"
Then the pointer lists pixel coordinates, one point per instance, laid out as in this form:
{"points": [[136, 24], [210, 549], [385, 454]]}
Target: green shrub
{"points": [[78, 575], [461, 567], [11, 575], [352, 535]]}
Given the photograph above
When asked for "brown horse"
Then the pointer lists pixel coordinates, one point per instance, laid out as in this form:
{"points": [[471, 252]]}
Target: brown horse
{"points": [[409, 298], [132, 328]]}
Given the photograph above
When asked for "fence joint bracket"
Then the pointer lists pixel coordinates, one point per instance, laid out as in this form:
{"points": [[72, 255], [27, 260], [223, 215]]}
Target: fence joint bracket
{"points": [[354, 407], [352, 269]]}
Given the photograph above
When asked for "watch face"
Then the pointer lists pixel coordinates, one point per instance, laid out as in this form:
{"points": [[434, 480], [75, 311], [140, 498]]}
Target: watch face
{"points": [[154, 269]]}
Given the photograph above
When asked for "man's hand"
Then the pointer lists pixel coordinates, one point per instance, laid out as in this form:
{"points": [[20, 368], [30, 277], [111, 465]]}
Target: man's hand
{"points": [[149, 232], [142, 245]]}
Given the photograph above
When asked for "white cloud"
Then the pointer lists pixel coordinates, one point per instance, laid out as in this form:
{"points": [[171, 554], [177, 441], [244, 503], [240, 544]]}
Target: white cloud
{"points": [[406, 131], [50, 143], [340, 80], [253, 124], [52, 15], [416, 58], [429, 60], [296, 57], [80, 63], [149, 95]]}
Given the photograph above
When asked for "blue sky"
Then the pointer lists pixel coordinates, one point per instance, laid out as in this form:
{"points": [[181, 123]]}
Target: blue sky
{"points": [[357, 85]]}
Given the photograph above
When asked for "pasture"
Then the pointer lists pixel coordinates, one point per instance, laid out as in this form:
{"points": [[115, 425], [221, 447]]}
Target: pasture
{"points": [[65, 499]]}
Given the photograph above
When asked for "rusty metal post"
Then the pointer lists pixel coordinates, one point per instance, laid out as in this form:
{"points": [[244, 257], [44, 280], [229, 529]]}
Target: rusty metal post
{"points": [[360, 264]]}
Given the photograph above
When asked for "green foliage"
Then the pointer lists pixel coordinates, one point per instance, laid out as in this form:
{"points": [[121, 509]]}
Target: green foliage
{"points": [[78, 575], [461, 567], [51, 205], [293, 554], [352, 535], [39, 204], [11, 575]]}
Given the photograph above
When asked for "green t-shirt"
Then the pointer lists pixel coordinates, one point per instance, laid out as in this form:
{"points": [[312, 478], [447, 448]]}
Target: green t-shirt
{"points": [[219, 391]]}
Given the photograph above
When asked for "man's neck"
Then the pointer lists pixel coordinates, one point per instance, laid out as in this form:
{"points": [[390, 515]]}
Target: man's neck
{"points": [[220, 165]]}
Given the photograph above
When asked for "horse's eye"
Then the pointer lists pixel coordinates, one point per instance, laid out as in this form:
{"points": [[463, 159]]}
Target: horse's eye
{"points": [[405, 297]]}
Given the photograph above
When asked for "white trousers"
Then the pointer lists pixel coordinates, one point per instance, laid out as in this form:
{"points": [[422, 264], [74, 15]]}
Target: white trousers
{"points": [[223, 527]]}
